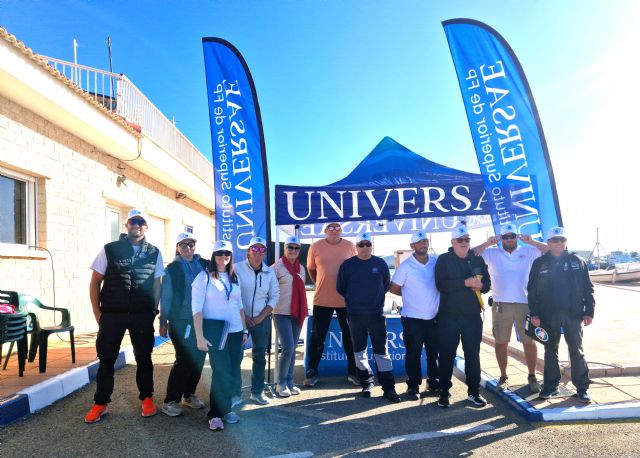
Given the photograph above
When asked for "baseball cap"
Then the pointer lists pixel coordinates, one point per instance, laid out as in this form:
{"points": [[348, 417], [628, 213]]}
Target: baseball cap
{"points": [[257, 241], [137, 213], [184, 236], [417, 236], [365, 236], [556, 231], [459, 232], [508, 228], [222, 245], [292, 239]]}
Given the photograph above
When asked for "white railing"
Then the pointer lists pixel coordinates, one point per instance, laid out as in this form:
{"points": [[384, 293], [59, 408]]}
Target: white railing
{"points": [[115, 92]]}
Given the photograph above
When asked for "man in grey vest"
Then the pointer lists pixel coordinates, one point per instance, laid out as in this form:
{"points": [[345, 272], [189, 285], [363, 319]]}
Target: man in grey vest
{"points": [[124, 293]]}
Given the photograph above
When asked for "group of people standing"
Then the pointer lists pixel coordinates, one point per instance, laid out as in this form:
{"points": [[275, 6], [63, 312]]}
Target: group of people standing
{"points": [[213, 306]]}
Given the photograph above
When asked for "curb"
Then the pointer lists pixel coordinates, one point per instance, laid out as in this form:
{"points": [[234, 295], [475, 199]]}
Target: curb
{"points": [[564, 414], [43, 394], [595, 369]]}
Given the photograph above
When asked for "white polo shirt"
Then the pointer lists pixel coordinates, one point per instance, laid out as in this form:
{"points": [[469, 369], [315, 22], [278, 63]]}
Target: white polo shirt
{"points": [[420, 297], [510, 272]]}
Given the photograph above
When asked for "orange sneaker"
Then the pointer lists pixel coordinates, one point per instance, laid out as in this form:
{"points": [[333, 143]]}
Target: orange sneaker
{"points": [[148, 408], [96, 413]]}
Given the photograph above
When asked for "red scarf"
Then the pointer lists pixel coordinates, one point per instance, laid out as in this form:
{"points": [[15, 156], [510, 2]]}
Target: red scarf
{"points": [[299, 307]]}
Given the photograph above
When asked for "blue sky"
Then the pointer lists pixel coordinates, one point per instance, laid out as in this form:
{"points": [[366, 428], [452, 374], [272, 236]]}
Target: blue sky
{"points": [[334, 77]]}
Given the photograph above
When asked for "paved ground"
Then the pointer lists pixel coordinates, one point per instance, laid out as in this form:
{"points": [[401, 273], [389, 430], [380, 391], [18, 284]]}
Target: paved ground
{"points": [[328, 421]]}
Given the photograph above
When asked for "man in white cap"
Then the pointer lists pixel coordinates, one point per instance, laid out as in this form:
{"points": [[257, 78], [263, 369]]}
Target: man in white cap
{"points": [[260, 293], [323, 261], [509, 266], [561, 296], [124, 293], [460, 277], [414, 280], [363, 281]]}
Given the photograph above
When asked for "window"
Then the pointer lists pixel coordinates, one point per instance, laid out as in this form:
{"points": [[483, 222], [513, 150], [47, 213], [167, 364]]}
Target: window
{"points": [[114, 227], [18, 209]]}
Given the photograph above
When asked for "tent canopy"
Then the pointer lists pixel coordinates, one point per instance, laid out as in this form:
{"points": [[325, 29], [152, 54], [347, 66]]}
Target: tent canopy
{"points": [[392, 182]]}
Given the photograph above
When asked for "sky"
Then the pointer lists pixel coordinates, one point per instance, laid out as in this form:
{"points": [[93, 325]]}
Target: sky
{"points": [[334, 77]]}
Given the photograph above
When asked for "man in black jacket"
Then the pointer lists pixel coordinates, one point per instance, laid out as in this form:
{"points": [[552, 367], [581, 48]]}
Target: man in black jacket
{"points": [[124, 293], [561, 295], [460, 277], [363, 280]]}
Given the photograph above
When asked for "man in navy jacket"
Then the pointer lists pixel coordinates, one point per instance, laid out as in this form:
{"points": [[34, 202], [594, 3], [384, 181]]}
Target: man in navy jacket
{"points": [[363, 280]]}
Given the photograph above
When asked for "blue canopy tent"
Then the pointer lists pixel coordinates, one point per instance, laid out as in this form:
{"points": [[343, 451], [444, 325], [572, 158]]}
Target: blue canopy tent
{"points": [[393, 190]]}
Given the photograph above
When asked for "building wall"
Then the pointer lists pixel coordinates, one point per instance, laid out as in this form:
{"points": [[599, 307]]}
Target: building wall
{"points": [[75, 184]]}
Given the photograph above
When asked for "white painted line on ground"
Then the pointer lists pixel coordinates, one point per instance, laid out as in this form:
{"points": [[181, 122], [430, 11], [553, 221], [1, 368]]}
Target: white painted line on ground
{"points": [[435, 434], [293, 455]]}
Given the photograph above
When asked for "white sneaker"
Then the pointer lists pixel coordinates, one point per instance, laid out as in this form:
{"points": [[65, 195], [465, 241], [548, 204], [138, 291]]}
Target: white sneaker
{"points": [[193, 402], [283, 391], [294, 390], [171, 408], [260, 398], [236, 401]]}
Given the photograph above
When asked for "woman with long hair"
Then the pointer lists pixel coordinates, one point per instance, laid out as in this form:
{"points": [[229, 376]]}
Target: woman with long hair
{"points": [[290, 313], [218, 321], [175, 308]]}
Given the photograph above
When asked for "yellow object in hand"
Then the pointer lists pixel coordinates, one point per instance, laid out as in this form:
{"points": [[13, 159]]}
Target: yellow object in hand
{"points": [[479, 294]]}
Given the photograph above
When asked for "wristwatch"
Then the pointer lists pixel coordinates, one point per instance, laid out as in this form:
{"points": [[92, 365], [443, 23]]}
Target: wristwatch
{"points": [[245, 332]]}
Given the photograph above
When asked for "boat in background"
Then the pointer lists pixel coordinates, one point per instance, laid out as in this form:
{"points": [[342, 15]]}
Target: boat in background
{"points": [[617, 267], [618, 273]]}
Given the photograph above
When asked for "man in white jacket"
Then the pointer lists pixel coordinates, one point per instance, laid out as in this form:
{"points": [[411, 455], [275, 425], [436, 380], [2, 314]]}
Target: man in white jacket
{"points": [[260, 293]]}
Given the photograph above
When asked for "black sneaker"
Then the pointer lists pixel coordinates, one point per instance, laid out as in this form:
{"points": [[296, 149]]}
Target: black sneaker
{"points": [[392, 396], [366, 392], [431, 391], [583, 396], [477, 400], [412, 394], [443, 400], [311, 378], [546, 394]]}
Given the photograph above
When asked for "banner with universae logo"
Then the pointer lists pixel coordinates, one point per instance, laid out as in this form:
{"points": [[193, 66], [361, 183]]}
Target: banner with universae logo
{"points": [[239, 157], [506, 129]]}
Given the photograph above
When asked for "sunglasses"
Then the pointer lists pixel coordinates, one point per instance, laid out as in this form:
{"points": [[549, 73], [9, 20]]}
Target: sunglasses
{"points": [[463, 240], [222, 253], [137, 222], [293, 248], [557, 240], [258, 249], [187, 244], [334, 228], [508, 236], [364, 245]]}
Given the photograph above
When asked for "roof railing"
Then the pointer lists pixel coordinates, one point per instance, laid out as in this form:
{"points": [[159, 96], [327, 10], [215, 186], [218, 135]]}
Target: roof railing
{"points": [[117, 93]]}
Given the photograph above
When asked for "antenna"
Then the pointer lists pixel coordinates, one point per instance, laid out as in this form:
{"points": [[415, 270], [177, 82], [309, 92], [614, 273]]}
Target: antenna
{"points": [[597, 259], [110, 66]]}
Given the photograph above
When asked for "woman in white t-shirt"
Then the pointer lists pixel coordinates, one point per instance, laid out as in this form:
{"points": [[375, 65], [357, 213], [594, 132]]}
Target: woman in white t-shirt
{"points": [[218, 322]]}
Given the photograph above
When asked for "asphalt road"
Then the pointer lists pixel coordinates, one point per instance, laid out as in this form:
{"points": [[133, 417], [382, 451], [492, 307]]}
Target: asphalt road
{"points": [[329, 420]]}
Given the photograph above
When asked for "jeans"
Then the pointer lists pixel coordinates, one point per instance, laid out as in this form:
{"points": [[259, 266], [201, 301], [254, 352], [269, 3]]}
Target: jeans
{"points": [[288, 333], [374, 327], [111, 330], [187, 368], [573, 336], [260, 340], [419, 334], [315, 347], [452, 329]]}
